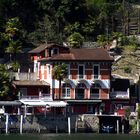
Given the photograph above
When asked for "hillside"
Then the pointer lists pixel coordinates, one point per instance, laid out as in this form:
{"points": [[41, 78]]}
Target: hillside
{"points": [[128, 65]]}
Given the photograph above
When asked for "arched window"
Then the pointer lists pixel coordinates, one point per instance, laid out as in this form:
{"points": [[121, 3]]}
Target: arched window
{"points": [[66, 90], [95, 91], [81, 86], [80, 91]]}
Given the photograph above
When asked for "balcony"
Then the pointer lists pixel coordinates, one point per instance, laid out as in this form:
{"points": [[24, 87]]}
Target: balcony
{"points": [[24, 76], [43, 97], [94, 96], [79, 96], [119, 95]]}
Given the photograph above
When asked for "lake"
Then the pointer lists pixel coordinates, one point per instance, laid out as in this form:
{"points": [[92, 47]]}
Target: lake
{"points": [[79, 136]]}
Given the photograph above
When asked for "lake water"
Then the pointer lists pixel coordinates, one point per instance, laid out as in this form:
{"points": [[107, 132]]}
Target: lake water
{"points": [[80, 136]]}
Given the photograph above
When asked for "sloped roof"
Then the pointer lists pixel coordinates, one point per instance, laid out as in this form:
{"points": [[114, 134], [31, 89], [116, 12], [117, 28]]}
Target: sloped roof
{"points": [[42, 47], [30, 83], [96, 54]]}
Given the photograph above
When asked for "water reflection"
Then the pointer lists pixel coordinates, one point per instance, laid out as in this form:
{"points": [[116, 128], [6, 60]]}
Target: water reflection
{"points": [[79, 136]]}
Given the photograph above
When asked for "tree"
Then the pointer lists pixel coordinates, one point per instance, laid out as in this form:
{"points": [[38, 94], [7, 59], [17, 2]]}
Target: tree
{"points": [[4, 81], [59, 73], [75, 40], [12, 37]]}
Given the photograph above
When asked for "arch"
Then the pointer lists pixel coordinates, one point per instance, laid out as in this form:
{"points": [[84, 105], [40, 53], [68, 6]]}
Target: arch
{"points": [[96, 85], [87, 83], [81, 86], [105, 84], [72, 83]]}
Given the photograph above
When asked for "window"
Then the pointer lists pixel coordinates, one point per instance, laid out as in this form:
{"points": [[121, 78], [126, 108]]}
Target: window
{"points": [[55, 51], [23, 92], [96, 72], [94, 91], [80, 91], [81, 71], [66, 90], [48, 69]]}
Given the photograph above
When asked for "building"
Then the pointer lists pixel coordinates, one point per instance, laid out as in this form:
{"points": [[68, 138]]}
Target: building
{"points": [[86, 88]]}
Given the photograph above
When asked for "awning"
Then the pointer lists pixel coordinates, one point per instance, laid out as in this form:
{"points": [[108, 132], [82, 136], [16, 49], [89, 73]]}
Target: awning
{"points": [[56, 103], [84, 101], [10, 103], [33, 103], [44, 103]]}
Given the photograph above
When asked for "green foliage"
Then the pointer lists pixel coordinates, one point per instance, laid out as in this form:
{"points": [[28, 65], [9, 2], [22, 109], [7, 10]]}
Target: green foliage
{"points": [[4, 81], [138, 111], [15, 66], [71, 28], [75, 40], [127, 113], [127, 69], [59, 71], [47, 31], [55, 20], [102, 40]]}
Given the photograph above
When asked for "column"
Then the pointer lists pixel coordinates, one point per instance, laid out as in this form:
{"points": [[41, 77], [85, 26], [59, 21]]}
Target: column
{"points": [[6, 124], [69, 127], [21, 123]]}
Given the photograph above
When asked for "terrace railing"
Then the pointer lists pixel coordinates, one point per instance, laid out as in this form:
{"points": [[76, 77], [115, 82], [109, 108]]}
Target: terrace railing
{"points": [[119, 95], [45, 97]]}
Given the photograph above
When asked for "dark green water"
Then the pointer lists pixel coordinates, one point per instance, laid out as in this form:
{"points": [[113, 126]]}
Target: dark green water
{"points": [[70, 137]]}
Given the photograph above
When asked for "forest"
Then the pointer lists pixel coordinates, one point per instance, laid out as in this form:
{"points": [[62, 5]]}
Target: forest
{"points": [[39, 21]]}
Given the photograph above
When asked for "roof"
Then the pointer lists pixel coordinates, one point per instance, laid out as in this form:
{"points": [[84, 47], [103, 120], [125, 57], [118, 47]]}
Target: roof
{"points": [[42, 47], [44, 103], [96, 54], [84, 101], [30, 83], [10, 103]]}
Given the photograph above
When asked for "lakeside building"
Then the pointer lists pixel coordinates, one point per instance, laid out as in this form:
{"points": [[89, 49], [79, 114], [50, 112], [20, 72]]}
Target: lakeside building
{"points": [[90, 94], [88, 88]]}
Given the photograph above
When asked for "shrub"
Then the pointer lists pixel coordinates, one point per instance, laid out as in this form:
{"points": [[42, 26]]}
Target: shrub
{"points": [[127, 69]]}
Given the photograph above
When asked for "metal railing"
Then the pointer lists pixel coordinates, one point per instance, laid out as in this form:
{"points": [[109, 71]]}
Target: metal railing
{"points": [[94, 96], [24, 76], [45, 97], [119, 94]]}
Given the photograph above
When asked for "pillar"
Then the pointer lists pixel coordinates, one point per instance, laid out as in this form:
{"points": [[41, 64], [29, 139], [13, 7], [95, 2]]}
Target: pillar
{"points": [[6, 124], [69, 127], [21, 123], [117, 126]]}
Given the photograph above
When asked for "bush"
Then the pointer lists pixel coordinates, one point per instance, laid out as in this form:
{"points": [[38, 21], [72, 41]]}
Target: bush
{"points": [[127, 69]]}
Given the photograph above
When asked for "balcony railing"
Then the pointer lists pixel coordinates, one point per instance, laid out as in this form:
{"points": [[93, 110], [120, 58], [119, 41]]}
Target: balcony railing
{"points": [[42, 97], [24, 76], [119, 95], [79, 96], [94, 96]]}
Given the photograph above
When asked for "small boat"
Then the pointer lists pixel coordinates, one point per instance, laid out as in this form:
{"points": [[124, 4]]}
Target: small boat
{"points": [[107, 128]]}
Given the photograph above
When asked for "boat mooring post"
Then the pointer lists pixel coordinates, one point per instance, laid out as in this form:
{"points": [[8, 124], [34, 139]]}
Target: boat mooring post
{"points": [[117, 126], [6, 124], [69, 127], [21, 123]]}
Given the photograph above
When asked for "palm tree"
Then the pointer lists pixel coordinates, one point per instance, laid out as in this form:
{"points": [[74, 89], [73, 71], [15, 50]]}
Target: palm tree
{"points": [[4, 81], [12, 36], [59, 73]]}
